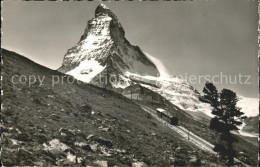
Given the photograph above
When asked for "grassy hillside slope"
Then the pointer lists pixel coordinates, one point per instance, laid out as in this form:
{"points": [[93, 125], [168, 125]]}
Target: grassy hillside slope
{"points": [[80, 124]]}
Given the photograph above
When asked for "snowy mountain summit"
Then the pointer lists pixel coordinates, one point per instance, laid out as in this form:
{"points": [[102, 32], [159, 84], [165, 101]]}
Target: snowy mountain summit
{"points": [[103, 50]]}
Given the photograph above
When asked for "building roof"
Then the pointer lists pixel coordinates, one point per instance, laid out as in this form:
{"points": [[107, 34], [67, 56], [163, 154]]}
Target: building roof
{"points": [[160, 110], [164, 112]]}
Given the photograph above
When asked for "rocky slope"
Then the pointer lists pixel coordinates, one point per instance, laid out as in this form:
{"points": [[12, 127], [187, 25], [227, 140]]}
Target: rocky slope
{"points": [[80, 124]]}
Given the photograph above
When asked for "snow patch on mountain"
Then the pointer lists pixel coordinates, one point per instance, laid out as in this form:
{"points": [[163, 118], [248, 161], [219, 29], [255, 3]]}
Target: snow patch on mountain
{"points": [[250, 106], [87, 70]]}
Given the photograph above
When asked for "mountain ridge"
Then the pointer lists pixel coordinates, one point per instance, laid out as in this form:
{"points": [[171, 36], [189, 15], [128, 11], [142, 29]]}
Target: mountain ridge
{"points": [[104, 42]]}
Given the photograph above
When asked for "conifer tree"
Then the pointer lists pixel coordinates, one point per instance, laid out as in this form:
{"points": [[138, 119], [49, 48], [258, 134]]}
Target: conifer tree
{"points": [[227, 118]]}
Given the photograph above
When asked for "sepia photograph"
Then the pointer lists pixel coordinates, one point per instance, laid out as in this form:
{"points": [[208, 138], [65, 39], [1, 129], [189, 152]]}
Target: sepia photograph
{"points": [[136, 83]]}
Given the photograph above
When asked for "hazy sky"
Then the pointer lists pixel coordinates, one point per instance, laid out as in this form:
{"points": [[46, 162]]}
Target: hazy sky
{"points": [[190, 38]]}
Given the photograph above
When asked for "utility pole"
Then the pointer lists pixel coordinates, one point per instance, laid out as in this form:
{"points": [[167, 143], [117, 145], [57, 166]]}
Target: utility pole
{"points": [[152, 100], [106, 80], [189, 132]]}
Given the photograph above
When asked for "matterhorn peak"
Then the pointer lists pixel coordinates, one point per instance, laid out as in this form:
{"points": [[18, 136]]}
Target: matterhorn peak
{"points": [[104, 49], [103, 10], [101, 5]]}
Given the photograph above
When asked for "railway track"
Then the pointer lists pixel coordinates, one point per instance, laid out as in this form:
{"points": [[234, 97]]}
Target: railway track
{"points": [[191, 137]]}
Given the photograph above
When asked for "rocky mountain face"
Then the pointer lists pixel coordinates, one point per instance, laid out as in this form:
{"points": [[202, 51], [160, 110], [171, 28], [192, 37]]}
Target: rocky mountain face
{"points": [[104, 50]]}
